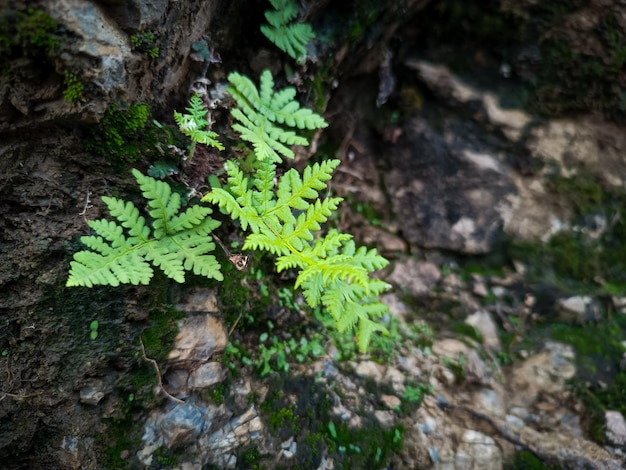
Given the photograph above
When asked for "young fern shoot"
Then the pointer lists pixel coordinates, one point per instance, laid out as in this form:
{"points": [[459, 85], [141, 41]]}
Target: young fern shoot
{"points": [[194, 124], [264, 117], [122, 251], [282, 218], [289, 37]]}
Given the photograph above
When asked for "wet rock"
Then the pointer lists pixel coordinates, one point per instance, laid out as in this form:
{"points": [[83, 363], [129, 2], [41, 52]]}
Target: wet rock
{"points": [[70, 455], [615, 429], [417, 277], [198, 339], [478, 451], [483, 322]]}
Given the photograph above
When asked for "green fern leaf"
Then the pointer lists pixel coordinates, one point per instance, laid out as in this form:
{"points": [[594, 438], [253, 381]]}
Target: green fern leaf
{"points": [[365, 330], [194, 124], [264, 116], [283, 217], [121, 253], [290, 38]]}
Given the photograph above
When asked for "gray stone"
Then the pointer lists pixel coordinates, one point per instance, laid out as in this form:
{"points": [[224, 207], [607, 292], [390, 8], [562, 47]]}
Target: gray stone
{"points": [[92, 393], [181, 425], [444, 194], [206, 375], [198, 339], [615, 430], [489, 402], [417, 277]]}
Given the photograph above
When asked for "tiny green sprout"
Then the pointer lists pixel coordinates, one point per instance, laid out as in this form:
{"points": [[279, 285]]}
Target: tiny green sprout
{"points": [[5, 353], [332, 430], [73, 92], [93, 329]]}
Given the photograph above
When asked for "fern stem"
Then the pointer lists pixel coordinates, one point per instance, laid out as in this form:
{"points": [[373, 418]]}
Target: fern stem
{"points": [[192, 149]]}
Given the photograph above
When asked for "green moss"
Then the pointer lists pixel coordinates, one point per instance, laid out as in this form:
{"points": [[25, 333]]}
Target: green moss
{"points": [[158, 338], [573, 259], [250, 458], [468, 330], [124, 135], [165, 457], [284, 418], [74, 88], [559, 76], [525, 460], [145, 42], [368, 447]]}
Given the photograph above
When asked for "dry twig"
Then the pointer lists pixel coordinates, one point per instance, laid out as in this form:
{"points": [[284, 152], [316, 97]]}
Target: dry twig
{"points": [[158, 373]]}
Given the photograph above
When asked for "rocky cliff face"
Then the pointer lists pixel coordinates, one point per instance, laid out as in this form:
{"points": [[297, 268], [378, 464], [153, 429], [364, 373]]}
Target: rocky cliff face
{"points": [[442, 161]]}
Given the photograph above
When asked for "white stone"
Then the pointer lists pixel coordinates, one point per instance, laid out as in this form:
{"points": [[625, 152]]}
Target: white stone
{"points": [[478, 451], [369, 369], [483, 322], [615, 428]]}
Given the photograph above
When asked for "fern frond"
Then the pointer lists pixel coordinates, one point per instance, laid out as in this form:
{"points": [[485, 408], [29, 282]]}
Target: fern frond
{"points": [[121, 253], [365, 330], [89, 269], [289, 38], [194, 123], [283, 216], [129, 216], [264, 116], [312, 290], [328, 245], [193, 249], [266, 241]]}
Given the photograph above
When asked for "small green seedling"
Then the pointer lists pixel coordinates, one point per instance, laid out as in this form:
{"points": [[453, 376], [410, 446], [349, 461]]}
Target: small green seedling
{"points": [[93, 329]]}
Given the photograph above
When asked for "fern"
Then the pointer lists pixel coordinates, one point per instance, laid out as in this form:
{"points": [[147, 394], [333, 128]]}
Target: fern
{"points": [[194, 124], [283, 217], [264, 116], [122, 251], [289, 37]]}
